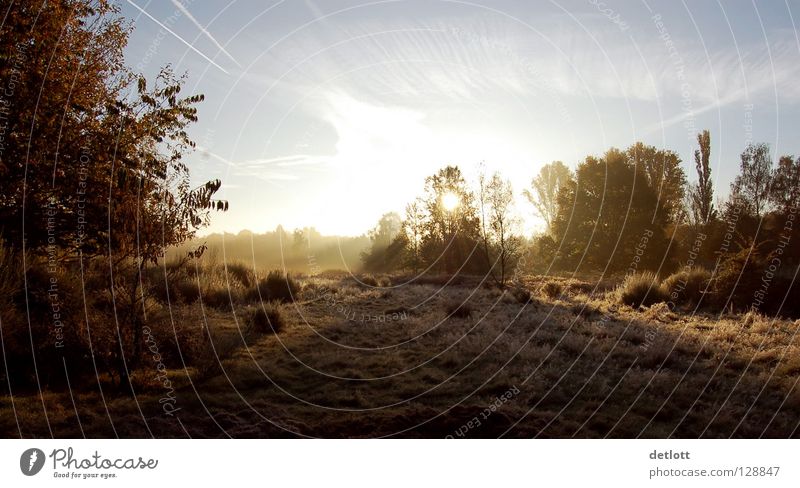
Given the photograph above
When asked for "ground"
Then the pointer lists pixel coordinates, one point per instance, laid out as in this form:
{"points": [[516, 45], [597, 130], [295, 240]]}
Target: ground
{"points": [[406, 361]]}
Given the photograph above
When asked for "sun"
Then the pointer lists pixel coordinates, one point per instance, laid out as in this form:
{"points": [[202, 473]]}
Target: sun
{"points": [[450, 201]]}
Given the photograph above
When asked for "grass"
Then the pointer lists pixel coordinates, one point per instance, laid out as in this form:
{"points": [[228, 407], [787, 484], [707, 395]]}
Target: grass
{"points": [[641, 289], [576, 366]]}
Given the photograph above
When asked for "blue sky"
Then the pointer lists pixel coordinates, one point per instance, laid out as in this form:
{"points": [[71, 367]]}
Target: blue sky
{"points": [[330, 113]]}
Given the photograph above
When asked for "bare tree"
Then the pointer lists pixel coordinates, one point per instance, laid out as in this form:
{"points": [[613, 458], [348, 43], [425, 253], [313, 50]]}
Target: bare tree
{"points": [[543, 193], [414, 228], [498, 224]]}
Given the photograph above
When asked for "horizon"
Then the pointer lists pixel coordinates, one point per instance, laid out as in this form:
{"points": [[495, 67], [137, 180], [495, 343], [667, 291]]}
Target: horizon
{"points": [[330, 115]]}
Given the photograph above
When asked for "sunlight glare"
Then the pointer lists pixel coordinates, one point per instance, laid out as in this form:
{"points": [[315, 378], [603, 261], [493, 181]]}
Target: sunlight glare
{"points": [[450, 201]]}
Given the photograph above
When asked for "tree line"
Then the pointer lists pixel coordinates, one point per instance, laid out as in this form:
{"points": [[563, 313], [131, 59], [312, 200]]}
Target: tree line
{"points": [[627, 206]]}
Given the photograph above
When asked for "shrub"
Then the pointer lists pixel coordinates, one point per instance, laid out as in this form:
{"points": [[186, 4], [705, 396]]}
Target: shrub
{"points": [[241, 273], [184, 290], [687, 287], [738, 279], [520, 294], [368, 280], [268, 318], [641, 289], [552, 289], [459, 309], [220, 297], [276, 286]]}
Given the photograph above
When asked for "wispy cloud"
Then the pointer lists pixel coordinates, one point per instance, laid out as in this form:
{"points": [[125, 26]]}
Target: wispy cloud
{"points": [[259, 168], [189, 45], [203, 29]]}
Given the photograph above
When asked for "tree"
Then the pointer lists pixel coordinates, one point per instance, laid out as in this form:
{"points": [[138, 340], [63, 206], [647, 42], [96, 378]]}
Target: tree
{"points": [[543, 193], [413, 228], [751, 187], [663, 174], [92, 162], [382, 236], [451, 222], [702, 193], [606, 215], [498, 224], [785, 194]]}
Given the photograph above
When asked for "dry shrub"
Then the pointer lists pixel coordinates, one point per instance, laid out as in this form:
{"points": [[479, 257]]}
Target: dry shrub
{"points": [[368, 280], [276, 286], [641, 289], [520, 294], [268, 318], [459, 309], [552, 289], [738, 278], [243, 274], [687, 287]]}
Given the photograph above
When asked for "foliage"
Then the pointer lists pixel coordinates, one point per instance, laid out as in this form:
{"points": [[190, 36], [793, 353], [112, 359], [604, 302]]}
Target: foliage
{"points": [[450, 235], [608, 215], [751, 187], [277, 286], [687, 286], [701, 193], [543, 193], [664, 175], [501, 245]]}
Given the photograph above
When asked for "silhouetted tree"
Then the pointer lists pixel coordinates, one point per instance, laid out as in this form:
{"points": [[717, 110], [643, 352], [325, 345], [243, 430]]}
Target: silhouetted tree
{"points": [[751, 187], [785, 193], [382, 236], [501, 245], [702, 193], [413, 229], [663, 173], [543, 193], [450, 233], [610, 216]]}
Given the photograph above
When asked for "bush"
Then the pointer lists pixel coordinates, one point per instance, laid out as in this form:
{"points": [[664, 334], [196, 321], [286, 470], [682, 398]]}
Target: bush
{"points": [[276, 286], [687, 287], [268, 318], [241, 273], [368, 280], [552, 289], [459, 309], [641, 289], [520, 294], [220, 297], [738, 279]]}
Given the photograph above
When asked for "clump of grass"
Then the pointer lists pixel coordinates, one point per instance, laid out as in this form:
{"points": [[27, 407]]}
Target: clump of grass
{"points": [[268, 318], [220, 297], [520, 294], [641, 289], [276, 286], [458, 309], [687, 287], [241, 273], [552, 289], [369, 280], [585, 310]]}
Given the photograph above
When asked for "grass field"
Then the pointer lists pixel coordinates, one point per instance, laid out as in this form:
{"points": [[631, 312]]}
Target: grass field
{"points": [[431, 359]]}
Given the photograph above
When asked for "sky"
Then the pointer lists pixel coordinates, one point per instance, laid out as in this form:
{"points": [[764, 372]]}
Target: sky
{"points": [[329, 113]]}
